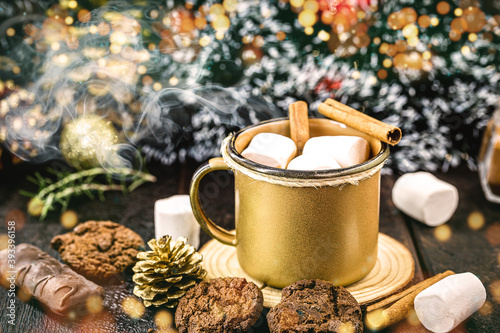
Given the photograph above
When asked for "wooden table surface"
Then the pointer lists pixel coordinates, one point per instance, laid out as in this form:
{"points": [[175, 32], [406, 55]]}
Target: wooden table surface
{"points": [[457, 246]]}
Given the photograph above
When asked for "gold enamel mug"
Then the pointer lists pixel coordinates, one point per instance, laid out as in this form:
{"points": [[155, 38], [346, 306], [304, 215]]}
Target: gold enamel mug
{"points": [[293, 225]]}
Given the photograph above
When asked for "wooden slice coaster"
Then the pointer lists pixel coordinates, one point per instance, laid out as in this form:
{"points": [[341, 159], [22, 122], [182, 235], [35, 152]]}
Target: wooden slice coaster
{"points": [[394, 269]]}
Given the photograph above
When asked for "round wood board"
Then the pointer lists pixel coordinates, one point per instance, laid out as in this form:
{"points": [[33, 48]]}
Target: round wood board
{"points": [[394, 269]]}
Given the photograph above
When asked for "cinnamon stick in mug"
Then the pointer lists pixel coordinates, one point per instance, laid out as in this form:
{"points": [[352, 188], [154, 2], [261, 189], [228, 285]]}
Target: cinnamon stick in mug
{"points": [[299, 124], [360, 121]]}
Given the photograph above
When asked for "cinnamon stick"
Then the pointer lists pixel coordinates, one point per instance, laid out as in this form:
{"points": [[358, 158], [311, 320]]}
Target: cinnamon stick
{"points": [[299, 124], [360, 121], [377, 319]]}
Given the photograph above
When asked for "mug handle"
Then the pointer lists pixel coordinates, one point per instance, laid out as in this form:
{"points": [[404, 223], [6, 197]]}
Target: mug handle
{"points": [[215, 231]]}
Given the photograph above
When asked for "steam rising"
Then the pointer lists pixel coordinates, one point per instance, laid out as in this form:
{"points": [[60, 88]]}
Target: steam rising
{"points": [[110, 73]]}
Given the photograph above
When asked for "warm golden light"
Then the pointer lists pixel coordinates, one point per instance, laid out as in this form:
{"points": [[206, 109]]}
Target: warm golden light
{"points": [[455, 35], [486, 309], [281, 36], [307, 18], [94, 304], [323, 35], [442, 233], [424, 21], [311, 5], [173, 81], [296, 3], [410, 30], [230, 5], [221, 23], [72, 4], [69, 219], [475, 220], [133, 307], [205, 40], [93, 29], [219, 35], [443, 8], [164, 319]]}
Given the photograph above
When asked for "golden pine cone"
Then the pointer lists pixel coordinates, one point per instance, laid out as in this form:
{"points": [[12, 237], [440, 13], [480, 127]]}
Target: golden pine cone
{"points": [[164, 275]]}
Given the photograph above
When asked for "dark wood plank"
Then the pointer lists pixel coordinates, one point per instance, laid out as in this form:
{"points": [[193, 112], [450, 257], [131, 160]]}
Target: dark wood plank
{"points": [[466, 250]]}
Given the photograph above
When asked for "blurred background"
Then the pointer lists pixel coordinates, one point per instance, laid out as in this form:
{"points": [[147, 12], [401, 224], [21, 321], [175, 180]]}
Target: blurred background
{"points": [[172, 78]]}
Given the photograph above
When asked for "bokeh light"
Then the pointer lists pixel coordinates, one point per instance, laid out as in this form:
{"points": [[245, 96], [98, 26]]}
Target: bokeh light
{"points": [[443, 7], [486, 309], [69, 219], [475, 220], [495, 291], [493, 234], [475, 18], [442, 233], [94, 304], [133, 307], [164, 319]]}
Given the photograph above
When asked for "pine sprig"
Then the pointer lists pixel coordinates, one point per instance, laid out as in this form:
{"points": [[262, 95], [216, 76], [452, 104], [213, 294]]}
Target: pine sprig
{"points": [[89, 182]]}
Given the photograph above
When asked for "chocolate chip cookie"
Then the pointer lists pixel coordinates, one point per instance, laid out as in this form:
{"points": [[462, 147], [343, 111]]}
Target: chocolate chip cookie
{"points": [[99, 250], [315, 306], [220, 305]]}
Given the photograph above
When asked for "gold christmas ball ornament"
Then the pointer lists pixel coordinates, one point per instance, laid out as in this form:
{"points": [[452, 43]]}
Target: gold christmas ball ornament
{"points": [[89, 141], [164, 274]]}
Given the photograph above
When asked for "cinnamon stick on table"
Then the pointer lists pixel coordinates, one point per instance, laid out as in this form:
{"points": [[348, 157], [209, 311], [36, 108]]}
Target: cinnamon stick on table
{"points": [[360, 121], [377, 319], [299, 124]]}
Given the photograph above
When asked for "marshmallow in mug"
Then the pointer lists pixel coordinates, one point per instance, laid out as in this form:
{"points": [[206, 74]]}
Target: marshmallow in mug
{"points": [[271, 149], [444, 305], [313, 161], [346, 150], [425, 198], [174, 217]]}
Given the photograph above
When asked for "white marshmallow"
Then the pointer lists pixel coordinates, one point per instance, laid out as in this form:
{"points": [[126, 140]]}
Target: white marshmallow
{"points": [[313, 162], [346, 150], [444, 305], [271, 149], [174, 217], [425, 198]]}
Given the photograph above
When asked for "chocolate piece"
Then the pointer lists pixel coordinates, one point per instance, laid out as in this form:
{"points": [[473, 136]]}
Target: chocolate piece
{"points": [[53, 284], [315, 306], [99, 250], [220, 305]]}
